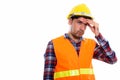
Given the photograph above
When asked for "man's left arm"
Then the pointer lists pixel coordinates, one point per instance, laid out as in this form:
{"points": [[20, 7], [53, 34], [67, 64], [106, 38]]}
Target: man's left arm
{"points": [[103, 51]]}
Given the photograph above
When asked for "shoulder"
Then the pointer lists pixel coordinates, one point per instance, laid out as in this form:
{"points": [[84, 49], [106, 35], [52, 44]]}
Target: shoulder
{"points": [[89, 40], [60, 37]]}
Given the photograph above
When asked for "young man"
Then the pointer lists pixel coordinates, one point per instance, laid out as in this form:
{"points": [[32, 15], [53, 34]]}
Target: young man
{"points": [[69, 57]]}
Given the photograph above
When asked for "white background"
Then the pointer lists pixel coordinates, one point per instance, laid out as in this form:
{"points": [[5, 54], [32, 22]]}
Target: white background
{"points": [[26, 26]]}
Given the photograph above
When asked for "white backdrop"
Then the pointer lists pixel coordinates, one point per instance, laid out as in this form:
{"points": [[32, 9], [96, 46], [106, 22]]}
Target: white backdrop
{"points": [[26, 26]]}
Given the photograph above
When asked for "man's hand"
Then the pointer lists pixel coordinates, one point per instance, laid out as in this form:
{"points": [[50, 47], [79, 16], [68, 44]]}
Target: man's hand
{"points": [[93, 26]]}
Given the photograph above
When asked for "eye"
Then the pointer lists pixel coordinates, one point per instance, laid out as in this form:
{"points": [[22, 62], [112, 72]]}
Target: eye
{"points": [[80, 22]]}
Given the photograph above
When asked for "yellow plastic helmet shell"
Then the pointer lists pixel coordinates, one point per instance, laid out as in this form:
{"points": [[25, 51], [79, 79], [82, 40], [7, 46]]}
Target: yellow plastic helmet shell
{"points": [[80, 10]]}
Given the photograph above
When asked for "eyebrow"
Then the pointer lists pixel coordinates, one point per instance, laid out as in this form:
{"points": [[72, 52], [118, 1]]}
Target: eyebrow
{"points": [[81, 22]]}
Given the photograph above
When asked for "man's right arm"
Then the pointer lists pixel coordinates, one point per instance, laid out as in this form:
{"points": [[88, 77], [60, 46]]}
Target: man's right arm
{"points": [[50, 62]]}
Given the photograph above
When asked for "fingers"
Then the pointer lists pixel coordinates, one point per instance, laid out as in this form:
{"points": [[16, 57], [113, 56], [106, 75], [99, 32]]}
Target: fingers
{"points": [[93, 26], [92, 23]]}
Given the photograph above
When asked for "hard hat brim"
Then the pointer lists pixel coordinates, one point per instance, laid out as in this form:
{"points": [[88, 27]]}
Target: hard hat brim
{"points": [[80, 15]]}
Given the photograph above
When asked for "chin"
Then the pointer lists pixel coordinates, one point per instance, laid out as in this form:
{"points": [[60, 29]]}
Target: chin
{"points": [[80, 35]]}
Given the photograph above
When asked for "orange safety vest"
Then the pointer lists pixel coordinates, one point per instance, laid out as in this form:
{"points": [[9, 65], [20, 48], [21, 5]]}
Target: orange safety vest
{"points": [[70, 66]]}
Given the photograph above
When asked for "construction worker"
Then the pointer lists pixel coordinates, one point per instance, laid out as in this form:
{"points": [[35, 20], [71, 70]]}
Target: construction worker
{"points": [[69, 57]]}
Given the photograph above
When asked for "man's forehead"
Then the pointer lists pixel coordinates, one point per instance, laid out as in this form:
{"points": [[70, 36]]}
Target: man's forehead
{"points": [[82, 19]]}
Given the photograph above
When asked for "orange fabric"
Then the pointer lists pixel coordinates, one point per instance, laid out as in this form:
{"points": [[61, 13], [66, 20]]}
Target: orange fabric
{"points": [[67, 58]]}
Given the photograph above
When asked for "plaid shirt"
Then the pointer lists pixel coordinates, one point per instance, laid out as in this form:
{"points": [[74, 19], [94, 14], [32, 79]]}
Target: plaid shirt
{"points": [[102, 52]]}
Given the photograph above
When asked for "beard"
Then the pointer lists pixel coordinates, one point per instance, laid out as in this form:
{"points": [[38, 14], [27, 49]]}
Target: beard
{"points": [[78, 34]]}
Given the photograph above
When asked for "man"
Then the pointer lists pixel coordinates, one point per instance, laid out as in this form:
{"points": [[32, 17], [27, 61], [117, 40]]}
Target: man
{"points": [[69, 57]]}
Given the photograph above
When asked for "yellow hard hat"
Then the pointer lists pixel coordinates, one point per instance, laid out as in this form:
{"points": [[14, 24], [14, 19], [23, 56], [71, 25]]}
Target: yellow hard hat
{"points": [[80, 10]]}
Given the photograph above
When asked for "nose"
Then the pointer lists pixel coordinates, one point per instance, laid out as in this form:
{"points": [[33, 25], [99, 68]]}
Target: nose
{"points": [[82, 27]]}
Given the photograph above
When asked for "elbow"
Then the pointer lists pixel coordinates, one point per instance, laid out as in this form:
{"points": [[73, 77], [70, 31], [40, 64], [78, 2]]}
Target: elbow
{"points": [[113, 61], [112, 58]]}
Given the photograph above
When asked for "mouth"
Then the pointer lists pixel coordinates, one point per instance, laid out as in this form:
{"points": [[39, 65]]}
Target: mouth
{"points": [[80, 32]]}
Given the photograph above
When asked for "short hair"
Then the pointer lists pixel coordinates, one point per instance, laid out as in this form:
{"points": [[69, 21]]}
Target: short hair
{"points": [[77, 16]]}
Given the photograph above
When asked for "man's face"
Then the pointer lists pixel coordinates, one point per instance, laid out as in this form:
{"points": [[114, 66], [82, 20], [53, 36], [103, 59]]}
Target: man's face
{"points": [[78, 26]]}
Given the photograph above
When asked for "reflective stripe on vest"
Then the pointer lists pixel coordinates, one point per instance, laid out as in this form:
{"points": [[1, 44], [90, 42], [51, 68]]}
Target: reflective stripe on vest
{"points": [[73, 72]]}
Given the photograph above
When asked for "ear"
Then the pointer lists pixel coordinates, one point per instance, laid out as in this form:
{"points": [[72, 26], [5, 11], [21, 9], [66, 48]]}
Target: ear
{"points": [[70, 21]]}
